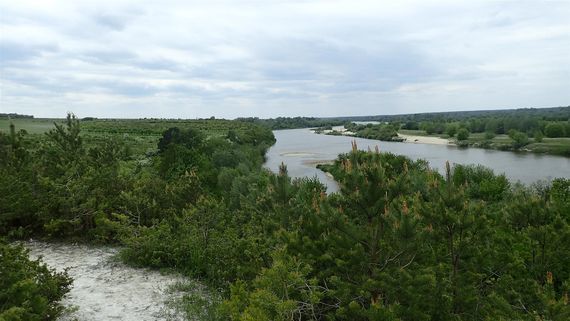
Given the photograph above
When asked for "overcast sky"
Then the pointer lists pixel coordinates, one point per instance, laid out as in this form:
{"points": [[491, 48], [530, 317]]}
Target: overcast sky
{"points": [[188, 59]]}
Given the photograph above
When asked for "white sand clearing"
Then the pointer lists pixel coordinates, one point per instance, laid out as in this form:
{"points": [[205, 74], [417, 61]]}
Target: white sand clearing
{"points": [[104, 289]]}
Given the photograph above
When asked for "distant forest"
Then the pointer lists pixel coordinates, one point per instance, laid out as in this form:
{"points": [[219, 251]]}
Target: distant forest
{"points": [[551, 113], [547, 114], [14, 115]]}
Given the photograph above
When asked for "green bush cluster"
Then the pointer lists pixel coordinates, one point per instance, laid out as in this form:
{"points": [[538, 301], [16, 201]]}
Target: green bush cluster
{"points": [[401, 242], [29, 290], [385, 132], [58, 186]]}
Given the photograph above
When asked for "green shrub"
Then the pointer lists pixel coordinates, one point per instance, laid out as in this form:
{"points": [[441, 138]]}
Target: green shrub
{"points": [[489, 135], [451, 130], [520, 139], [29, 290], [462, 134], [553, 130]]}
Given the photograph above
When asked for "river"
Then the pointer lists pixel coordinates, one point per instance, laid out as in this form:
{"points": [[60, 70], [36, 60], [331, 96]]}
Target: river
{"points": [[301, 149]]}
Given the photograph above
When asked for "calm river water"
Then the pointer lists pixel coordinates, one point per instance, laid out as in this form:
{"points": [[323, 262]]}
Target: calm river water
{"points": [[300, 150]]}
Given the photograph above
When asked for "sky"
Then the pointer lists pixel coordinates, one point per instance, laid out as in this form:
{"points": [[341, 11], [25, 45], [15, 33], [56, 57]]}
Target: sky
{"points": [[227, 59]]}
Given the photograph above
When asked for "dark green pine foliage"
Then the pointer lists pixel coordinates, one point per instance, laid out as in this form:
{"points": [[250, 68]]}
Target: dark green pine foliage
{"points": [[402, 242]]}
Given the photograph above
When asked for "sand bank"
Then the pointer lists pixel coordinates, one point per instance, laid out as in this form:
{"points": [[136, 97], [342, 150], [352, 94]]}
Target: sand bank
{"points": [[424, 140]]}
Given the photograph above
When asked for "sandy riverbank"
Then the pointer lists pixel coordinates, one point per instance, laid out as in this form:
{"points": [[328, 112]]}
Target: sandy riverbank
{"points": [[413, 139], [424, 140]]}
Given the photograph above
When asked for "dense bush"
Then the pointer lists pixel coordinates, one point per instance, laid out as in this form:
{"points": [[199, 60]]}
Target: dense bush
{"points": [[29, 290], [519, 139], [385, 132], [401, 242], [554, 130], [59, 186], [462, 134]]}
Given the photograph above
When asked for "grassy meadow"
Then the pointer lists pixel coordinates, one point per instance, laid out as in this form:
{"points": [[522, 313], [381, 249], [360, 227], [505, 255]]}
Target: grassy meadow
{"points": [[141, 135]]}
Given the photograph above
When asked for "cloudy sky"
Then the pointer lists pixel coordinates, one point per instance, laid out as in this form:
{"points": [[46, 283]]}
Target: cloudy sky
{"points": [[188, 59]]}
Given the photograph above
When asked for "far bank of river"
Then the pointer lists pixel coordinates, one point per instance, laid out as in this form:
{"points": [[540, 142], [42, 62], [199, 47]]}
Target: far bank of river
{"points": [[301, 150]]}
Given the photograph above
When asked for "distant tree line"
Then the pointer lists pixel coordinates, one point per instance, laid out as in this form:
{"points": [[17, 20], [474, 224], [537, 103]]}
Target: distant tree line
{"points": [[529, 125], [293, 122], [548, 122], [552, 113], [14, 116]]}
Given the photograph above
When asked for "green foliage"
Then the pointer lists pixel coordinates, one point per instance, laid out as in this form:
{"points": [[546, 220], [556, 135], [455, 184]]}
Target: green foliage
{"points": [[385, 132], [411, 125], [538, 136], [68, 184], [190, 138], [462, 134], [293, 122], [451, 130], [519, 139], [399, 241], [554, 130], [28, 289], [481, 183], [282, 292]]}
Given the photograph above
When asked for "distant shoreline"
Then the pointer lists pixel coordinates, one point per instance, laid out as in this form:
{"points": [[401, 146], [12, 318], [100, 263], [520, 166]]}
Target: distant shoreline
{"points": [[410, 139], [413, 139]]}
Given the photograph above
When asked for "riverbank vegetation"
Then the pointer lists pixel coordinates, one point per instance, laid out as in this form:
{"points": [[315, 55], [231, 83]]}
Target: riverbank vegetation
{"points": [[384, 132], [538, 135], [398, 242], [532, 130]]}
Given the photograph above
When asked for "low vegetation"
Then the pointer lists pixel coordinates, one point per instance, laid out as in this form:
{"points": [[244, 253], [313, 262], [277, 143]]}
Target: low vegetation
{"points": [[385, 132], [29, 290]]}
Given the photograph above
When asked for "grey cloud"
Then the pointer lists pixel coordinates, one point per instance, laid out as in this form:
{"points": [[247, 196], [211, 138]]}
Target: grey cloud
{"points": [[119, 18], [108, 56], [128, 89], [159, 64], [11, 51], [110, 21], [279, 59]]}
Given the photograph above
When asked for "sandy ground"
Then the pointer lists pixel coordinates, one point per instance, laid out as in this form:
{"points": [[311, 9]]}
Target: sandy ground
{"points": [[407, 138], [104, 289], [343, 131], [424, 140], [315, 162], [297, 154]]}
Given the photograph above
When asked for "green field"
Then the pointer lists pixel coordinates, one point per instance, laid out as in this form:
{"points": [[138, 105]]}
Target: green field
{"points": [[31, 125], [141, 135]]}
